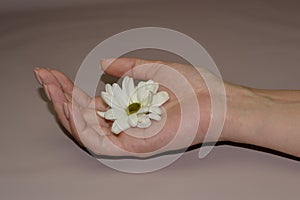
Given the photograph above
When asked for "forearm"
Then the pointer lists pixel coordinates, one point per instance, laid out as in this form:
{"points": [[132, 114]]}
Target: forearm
{"points": [[267, 118]]}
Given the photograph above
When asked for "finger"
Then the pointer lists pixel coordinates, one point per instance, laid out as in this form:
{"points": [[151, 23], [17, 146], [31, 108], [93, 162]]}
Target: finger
{"points": [[65, 83], [58, 99], [47, 77], [100, 145], [70, 90], [120, 66], [79, 95], [44, 76], [82, 99], [37, 76]]}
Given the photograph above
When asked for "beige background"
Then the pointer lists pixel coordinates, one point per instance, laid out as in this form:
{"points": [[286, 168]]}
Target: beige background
{"points": [[255, 43]]}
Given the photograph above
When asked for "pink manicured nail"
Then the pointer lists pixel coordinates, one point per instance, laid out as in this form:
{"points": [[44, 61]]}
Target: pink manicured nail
{"points": [[37, 76], [46, 89], [66, 110]]}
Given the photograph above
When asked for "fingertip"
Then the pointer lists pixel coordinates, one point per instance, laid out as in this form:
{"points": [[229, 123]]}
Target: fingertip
{"points": [[42, 74], [46, 89], [37, 76]]}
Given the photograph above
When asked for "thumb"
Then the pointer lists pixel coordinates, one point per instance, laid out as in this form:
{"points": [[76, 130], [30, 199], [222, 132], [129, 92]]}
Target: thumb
{"points": [[121, 66]]}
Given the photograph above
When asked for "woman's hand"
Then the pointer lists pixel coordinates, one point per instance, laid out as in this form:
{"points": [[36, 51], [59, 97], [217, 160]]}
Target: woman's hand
{"points": [[261, 117], [75, 110]]}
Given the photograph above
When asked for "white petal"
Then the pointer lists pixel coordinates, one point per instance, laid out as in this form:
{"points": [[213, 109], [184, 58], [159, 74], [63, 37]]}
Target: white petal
{"points": [[144, 122], [154, 116], [101, 114], [120, 125], [119, 96], [141, 83], [128, 85], [146, 101], [149, 85], [109, 115], [108, 88], [155, 109], [145, 91], [133, 97], [141, 93], [110, 100], [125, 82], [153, 87], [160, 98], [133, 120], [143, 110], [115, 129], [115, 113], [107, 98]]}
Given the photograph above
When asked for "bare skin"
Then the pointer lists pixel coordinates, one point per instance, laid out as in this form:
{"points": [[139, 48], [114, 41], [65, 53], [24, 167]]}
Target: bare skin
{"points": [[260, 117]]}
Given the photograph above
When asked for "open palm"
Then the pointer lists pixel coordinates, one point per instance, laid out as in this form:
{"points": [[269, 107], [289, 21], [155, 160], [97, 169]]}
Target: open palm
{"points": [[77, 111]]}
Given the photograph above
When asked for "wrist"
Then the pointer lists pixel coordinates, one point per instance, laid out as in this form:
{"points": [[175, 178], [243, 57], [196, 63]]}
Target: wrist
{"points": [[245, 114], [265, 118]]}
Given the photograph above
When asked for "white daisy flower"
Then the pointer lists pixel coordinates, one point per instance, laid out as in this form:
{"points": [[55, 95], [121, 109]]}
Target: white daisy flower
{"points": [[132, 106]]}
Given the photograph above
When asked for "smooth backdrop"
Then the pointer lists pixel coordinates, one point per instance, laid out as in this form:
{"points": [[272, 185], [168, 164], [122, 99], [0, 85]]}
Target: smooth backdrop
{"points": [[254, 43]]}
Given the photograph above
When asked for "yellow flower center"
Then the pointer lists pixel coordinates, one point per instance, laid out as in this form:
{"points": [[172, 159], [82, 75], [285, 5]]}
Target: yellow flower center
{"points": [[133, 108]]}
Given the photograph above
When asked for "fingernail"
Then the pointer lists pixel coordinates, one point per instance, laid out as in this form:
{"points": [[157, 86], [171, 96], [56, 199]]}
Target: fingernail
{"points": [[106, 62], [37, 76], [66, 110], [46, 89], [68, 97]]}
